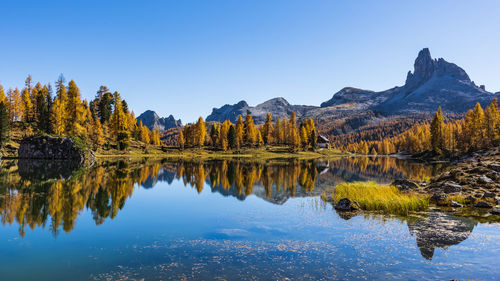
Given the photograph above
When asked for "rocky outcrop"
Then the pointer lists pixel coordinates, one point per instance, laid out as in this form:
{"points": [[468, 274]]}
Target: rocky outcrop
{"points": [[151, 120], [46, 147]]}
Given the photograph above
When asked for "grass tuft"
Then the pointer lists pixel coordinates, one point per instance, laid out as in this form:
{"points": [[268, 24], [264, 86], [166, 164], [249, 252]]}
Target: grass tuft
{"points": [[372, 196]]}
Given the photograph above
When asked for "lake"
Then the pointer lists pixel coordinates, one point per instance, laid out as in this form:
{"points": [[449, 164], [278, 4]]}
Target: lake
{"points": [[225, 220]]}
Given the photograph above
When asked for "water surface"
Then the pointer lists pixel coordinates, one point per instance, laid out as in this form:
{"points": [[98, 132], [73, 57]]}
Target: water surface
{"points": [[211, 220]]}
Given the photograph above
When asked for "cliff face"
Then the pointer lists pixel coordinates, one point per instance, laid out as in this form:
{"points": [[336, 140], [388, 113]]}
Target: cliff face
{"points": [[151, 120], [46, 147]]}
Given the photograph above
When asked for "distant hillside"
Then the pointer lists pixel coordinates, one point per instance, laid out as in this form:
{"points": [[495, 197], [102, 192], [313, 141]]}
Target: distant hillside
{"points": [[151, 120]]}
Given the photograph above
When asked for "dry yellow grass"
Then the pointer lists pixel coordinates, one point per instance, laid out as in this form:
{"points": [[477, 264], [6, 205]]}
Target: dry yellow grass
{"points": [[372, 196]]}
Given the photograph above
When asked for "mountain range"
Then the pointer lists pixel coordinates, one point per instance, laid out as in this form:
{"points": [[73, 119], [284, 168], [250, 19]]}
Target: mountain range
{"points": [[151, 120], [433, 83]]}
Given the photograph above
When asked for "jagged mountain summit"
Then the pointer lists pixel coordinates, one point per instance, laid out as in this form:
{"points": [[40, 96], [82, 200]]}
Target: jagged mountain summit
{"points": [[151, 120], [433, 83], [278, 107]]}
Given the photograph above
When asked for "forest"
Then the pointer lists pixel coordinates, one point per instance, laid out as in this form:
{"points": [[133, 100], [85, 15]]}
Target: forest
{"points": [[104, 121], [478, 129]]}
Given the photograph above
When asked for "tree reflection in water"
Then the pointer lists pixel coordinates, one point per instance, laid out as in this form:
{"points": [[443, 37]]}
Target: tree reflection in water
{"points": [[33, 193]]}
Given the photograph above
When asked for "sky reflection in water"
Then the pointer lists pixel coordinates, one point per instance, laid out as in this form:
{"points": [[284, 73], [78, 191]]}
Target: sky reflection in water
{"points": [[224, 220]]}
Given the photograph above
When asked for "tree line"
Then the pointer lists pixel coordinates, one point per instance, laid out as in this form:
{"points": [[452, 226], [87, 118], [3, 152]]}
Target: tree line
{"points": [[226, 135], [478, 129], [105, 120]]}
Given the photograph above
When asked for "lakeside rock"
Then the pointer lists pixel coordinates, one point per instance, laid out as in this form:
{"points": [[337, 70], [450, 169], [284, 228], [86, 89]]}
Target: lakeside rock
{"points": [[346, 205], [405, 185], [47, 147]]}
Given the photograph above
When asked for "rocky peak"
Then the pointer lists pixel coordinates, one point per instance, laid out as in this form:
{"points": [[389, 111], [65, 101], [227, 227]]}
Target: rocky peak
{"points": [[151, 120], [423, 70]]}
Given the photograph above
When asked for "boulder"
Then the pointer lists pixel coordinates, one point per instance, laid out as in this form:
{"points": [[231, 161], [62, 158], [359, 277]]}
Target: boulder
{"points": [[449, 187], [484, 180], [483, 204], [404, 184], [438, 198], [455, 204], [489, 195], [495, 211], [346, 205], [494, 167], [47, 147]]}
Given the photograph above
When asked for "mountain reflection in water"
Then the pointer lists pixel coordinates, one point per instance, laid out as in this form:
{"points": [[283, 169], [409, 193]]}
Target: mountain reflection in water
{"points": [[31, 192]]}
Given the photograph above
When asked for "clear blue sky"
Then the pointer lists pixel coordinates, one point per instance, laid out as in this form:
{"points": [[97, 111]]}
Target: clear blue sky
{"points": [[186, 57]]}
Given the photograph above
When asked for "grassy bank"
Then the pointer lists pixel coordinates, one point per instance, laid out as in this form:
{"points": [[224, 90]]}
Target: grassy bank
{"points": [[269, 152], [376, 197]]}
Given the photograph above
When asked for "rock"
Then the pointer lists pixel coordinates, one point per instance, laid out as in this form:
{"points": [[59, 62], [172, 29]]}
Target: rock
{"points": [[483, 204], [455, 204], [470, 199], [494, 167], [489, 195], [495, 211], [346, 205], [439, 199], [484, 180], [449, 187], [46, 147], [404, 184]]}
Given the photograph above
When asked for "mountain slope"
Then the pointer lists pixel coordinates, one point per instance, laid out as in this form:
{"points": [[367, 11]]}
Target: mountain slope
{"points": [[151, 120]]}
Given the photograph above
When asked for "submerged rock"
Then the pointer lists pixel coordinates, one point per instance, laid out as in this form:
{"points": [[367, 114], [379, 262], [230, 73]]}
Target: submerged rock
{"points": [[346, 205]]}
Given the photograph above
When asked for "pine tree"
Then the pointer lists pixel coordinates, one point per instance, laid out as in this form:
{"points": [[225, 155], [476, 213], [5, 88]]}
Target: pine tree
{"points": [[201, 132], [57, 117], [492, 123], [26, 106], [224, 131], [239, 132], [74, 111], [180, 139], [3, 98], [278, 132], [268, 130], [215, 134], [4, 124], [14, 105], [304, 139], [231, 137], [144, 133], [250, 132], [437, 137], [119, 123]]}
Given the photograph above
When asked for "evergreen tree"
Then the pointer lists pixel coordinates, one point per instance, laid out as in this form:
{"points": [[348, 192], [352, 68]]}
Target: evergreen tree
{"points": [[437, 137], [4, 124], [492, 124], [239, 132], [231, 137], [250, 132], [180, 139], [201, 132], [268, 130], [74, 111], [57, 117]]}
